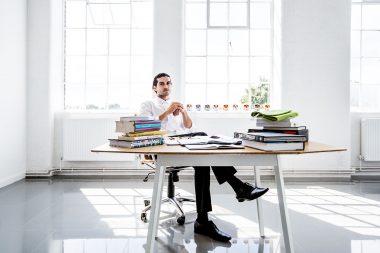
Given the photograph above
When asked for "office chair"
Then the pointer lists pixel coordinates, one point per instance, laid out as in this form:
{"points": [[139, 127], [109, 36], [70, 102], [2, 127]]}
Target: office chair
{"points": [[172, 198]]}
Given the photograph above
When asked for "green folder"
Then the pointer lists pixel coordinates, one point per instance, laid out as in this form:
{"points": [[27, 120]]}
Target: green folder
{"points": [[275, 115]]}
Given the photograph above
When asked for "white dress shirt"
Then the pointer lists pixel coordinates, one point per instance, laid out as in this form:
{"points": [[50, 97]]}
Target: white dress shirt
{"points": [[154, 108]]}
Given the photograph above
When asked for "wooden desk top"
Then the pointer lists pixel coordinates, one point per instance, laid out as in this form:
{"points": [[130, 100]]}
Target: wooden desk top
{"points": [[310, 147]]}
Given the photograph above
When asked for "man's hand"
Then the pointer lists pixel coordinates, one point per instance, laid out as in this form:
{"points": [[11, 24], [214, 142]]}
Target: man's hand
{"points": [[176, 112], [175, 108], [180, 110]]}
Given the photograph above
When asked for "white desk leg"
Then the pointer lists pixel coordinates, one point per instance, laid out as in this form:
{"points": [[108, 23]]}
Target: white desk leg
{"points": [[156, 207], [288, 240], [259, 203]]}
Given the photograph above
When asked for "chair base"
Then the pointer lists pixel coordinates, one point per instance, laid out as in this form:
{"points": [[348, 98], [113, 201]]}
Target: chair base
{"points": [[175, 201]]}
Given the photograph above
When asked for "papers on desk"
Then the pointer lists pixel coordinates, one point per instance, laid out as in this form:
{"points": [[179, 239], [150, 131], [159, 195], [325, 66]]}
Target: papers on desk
{"points": [[213, 146], [202, 140], [171, 142], [193, 141]]}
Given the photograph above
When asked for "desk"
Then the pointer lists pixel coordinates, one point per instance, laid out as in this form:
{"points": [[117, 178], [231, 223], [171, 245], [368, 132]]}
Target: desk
{"points": [[181, 156]]}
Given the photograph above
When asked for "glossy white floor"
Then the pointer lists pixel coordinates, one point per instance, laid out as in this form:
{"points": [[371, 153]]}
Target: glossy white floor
{"points": [[99, 216]]}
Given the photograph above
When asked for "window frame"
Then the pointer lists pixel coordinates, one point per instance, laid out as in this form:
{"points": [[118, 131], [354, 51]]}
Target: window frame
{"points": [[359, 85], [107, 28], [250, 56], [228, 14]]}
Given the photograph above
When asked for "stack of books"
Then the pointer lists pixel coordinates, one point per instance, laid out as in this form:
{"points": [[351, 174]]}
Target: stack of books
{"points": [[138, 132], [298, 130], [275, 138]]}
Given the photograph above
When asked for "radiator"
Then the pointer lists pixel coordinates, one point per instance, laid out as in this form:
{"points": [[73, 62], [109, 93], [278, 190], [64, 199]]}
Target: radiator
{"points": [[81, 135], [370, 139]]}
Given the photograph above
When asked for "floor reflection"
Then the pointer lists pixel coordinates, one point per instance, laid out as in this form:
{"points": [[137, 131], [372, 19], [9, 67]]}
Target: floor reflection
{"points": [[59, 216], [171, 244]]}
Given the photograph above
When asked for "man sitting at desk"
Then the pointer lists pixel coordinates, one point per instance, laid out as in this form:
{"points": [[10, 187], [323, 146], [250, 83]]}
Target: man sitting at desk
{"points": [[174, 118]]}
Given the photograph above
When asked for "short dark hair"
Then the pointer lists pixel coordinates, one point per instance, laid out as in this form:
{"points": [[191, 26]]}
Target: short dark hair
{"points": [[155, 81]]}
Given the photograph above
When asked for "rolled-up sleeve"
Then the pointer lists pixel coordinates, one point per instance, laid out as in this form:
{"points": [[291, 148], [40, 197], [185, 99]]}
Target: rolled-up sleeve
{"points": [[193, 127], [146, 109]]}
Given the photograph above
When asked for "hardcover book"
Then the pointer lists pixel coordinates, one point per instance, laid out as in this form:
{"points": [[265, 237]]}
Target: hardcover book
{"points": [[136, 144], [137, 126], [277, 146]]}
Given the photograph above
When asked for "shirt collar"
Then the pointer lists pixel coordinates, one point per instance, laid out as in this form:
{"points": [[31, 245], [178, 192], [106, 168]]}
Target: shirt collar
{"points": [[162, 102]]}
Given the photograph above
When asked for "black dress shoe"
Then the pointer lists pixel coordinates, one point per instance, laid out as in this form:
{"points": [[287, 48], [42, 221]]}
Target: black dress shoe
{"points": [[249, 192], [209, 229]]}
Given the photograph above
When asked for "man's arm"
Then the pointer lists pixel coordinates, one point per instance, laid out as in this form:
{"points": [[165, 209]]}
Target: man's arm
{"points": [[187, 122], [163, 116]]}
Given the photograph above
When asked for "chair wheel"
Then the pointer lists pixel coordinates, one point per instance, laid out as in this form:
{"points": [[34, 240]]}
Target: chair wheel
{"points": [[146, 202], [181, 220], [143, 217]]}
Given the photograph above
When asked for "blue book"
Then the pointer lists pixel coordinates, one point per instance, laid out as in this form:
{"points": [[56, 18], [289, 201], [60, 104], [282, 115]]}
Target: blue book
{"points": [[148, 126]]}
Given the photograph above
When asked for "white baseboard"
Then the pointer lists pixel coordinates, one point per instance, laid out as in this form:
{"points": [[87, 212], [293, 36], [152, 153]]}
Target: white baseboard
{"points": [[140, 171], [10, 180]]}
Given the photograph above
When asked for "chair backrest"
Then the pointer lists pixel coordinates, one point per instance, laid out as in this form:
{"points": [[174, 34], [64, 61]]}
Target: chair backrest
{"points": [[149, 160]]}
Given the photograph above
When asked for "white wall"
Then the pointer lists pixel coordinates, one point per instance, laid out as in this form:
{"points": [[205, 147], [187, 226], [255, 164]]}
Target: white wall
{"points": [[315, 74], [315, 38], [12, 90], [168, 48], [44, 80]]}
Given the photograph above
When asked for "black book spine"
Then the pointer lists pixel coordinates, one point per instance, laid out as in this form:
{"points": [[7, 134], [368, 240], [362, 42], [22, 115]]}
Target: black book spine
{"points": [[304, 132]]}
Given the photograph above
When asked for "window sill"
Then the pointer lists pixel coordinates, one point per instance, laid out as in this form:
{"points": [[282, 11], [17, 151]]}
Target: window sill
{"points": [[95, 114], [364, 111], [116, 114], [221, 114]]}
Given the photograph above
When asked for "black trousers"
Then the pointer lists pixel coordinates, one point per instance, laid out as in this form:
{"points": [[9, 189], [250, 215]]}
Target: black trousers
{"points": [[202, 184]]}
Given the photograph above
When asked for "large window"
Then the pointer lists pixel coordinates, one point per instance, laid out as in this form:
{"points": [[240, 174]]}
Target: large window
{"points": [[365, 55], [228, 51], [108, 53]]}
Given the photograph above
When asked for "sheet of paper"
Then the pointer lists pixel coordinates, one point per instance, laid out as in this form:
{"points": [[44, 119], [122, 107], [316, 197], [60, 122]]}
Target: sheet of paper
{"points": [[171, 142], [213, 146], [193, 141]]}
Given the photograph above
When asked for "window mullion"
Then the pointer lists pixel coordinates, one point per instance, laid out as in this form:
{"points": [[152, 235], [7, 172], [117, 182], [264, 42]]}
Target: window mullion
{"points": [[270, 80], [206, 56], [85, 59], [130, 51], [229, 49], [361, 58], [108, 68]]}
